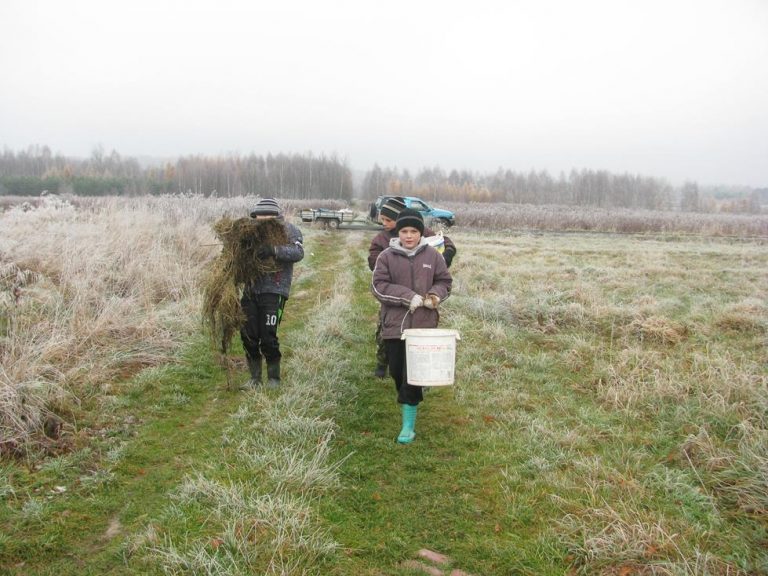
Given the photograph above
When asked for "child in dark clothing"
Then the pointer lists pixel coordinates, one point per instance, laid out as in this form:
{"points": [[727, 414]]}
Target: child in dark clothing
{"points": [[265, 296]]}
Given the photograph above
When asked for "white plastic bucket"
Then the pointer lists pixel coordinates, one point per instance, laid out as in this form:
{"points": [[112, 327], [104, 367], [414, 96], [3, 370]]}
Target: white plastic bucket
{"points": [[430, 354], [437, 242]]}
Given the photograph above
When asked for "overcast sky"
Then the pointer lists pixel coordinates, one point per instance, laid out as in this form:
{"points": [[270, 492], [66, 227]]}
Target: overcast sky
{"points": [[676, 89]]}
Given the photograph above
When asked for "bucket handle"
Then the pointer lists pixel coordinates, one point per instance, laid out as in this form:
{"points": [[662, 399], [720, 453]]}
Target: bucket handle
{"points": [[455, 334]]}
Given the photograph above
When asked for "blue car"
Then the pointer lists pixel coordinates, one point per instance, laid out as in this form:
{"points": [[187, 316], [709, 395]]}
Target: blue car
{"points": [[432, 216]]}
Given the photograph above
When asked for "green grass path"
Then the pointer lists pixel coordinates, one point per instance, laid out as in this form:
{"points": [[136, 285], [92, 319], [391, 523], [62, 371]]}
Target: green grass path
{"points": [[176, 416], [512, 469], [441, 493], [82, 531], [438, 493]]}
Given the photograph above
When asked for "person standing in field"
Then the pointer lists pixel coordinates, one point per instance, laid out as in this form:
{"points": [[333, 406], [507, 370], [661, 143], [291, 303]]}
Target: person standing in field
{"points": [[264, 298], [410, 279], [388, 216]]}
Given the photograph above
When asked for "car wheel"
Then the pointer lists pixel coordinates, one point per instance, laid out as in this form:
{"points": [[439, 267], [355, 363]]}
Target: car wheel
{"points": [[438, 224]]}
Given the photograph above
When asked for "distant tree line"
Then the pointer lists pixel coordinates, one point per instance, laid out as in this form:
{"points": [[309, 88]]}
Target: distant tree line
{"points": [[294, 176], [305, 176], [597, 188]]}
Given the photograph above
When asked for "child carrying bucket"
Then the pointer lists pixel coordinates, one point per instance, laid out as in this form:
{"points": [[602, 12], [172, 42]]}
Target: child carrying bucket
{"points": [[388, 218], [410, 280]]}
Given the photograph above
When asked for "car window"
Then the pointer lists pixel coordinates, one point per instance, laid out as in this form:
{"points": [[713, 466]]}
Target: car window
{"points": [[417, 205]]}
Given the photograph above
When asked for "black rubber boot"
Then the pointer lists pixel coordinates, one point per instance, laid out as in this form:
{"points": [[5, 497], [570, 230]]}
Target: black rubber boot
{"points": [[273, 373], [254, 368]]}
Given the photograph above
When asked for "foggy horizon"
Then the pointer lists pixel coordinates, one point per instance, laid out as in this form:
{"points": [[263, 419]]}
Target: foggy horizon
{"points": [[674, 91]]}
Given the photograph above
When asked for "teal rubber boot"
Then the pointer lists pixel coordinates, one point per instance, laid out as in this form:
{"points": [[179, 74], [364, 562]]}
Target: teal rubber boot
{"points": [[408, 432]]}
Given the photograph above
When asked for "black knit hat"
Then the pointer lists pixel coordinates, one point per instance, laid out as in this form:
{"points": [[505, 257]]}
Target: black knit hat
{"points": [[392, 207], [412, 218], [266, 207]]}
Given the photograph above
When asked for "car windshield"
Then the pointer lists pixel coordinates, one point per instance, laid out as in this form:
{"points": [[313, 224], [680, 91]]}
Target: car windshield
{"points": [[418, 205]]}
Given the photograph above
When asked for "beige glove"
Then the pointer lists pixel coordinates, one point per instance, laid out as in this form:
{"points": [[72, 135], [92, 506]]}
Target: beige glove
{"points": [[432, 301], [416, 301]]}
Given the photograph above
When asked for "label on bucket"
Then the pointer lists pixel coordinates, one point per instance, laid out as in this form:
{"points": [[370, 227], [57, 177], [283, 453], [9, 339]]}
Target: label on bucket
{"points": [[430, 363]]}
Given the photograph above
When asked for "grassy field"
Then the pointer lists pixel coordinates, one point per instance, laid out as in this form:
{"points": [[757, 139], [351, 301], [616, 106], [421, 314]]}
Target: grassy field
{"points": [[609, 414]]}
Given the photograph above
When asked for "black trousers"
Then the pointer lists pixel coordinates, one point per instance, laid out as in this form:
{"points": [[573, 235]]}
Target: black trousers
{"points": [[406, 394], [381, 349], [263, 313]]}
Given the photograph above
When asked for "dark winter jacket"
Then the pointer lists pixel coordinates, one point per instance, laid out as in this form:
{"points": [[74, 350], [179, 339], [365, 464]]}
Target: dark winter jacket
{"points": [[381, 242], [285, 255], [398, 276]]}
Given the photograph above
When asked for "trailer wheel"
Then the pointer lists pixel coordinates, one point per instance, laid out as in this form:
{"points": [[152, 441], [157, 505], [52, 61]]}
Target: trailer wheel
{"points": [[333, 224]]}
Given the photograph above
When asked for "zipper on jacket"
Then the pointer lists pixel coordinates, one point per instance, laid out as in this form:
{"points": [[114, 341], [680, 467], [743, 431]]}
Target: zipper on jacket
{"points": [[411, 260]]}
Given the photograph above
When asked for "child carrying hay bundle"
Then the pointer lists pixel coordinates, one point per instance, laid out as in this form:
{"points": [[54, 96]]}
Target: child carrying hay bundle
{"points": [[248, 286]]}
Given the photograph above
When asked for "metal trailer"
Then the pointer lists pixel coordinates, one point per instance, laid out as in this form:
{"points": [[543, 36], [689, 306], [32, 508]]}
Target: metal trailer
{"points": [[334, 219]]}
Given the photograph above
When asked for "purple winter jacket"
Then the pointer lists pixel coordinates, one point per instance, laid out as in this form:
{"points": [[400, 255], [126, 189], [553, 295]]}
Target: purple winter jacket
{"points": [[398, 276]]}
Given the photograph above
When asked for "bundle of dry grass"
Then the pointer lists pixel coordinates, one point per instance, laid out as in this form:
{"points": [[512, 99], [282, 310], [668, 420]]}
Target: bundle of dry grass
{"points": [[237, 264]]}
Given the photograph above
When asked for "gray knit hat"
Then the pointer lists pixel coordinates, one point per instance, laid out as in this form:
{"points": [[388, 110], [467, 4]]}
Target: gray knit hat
{"points": [[266, 207], [412, 218], [392, 207]]}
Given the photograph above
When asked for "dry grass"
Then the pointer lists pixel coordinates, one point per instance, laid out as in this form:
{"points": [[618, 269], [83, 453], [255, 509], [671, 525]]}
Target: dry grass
{"points": [[109, 289], [552, 218], [470, 215], [635, 545], [94, 289], [749, 315], [668, 340], [620, 381]]}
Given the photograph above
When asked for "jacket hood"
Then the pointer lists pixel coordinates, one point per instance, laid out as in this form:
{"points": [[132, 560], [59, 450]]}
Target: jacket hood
{"points": [[394, 243]]}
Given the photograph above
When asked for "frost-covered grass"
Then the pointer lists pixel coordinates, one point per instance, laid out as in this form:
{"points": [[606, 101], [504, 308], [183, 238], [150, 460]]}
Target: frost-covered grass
{"points": [[608, 415], [627, 377], [93, 290], [97, 294], [556, 218]]}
